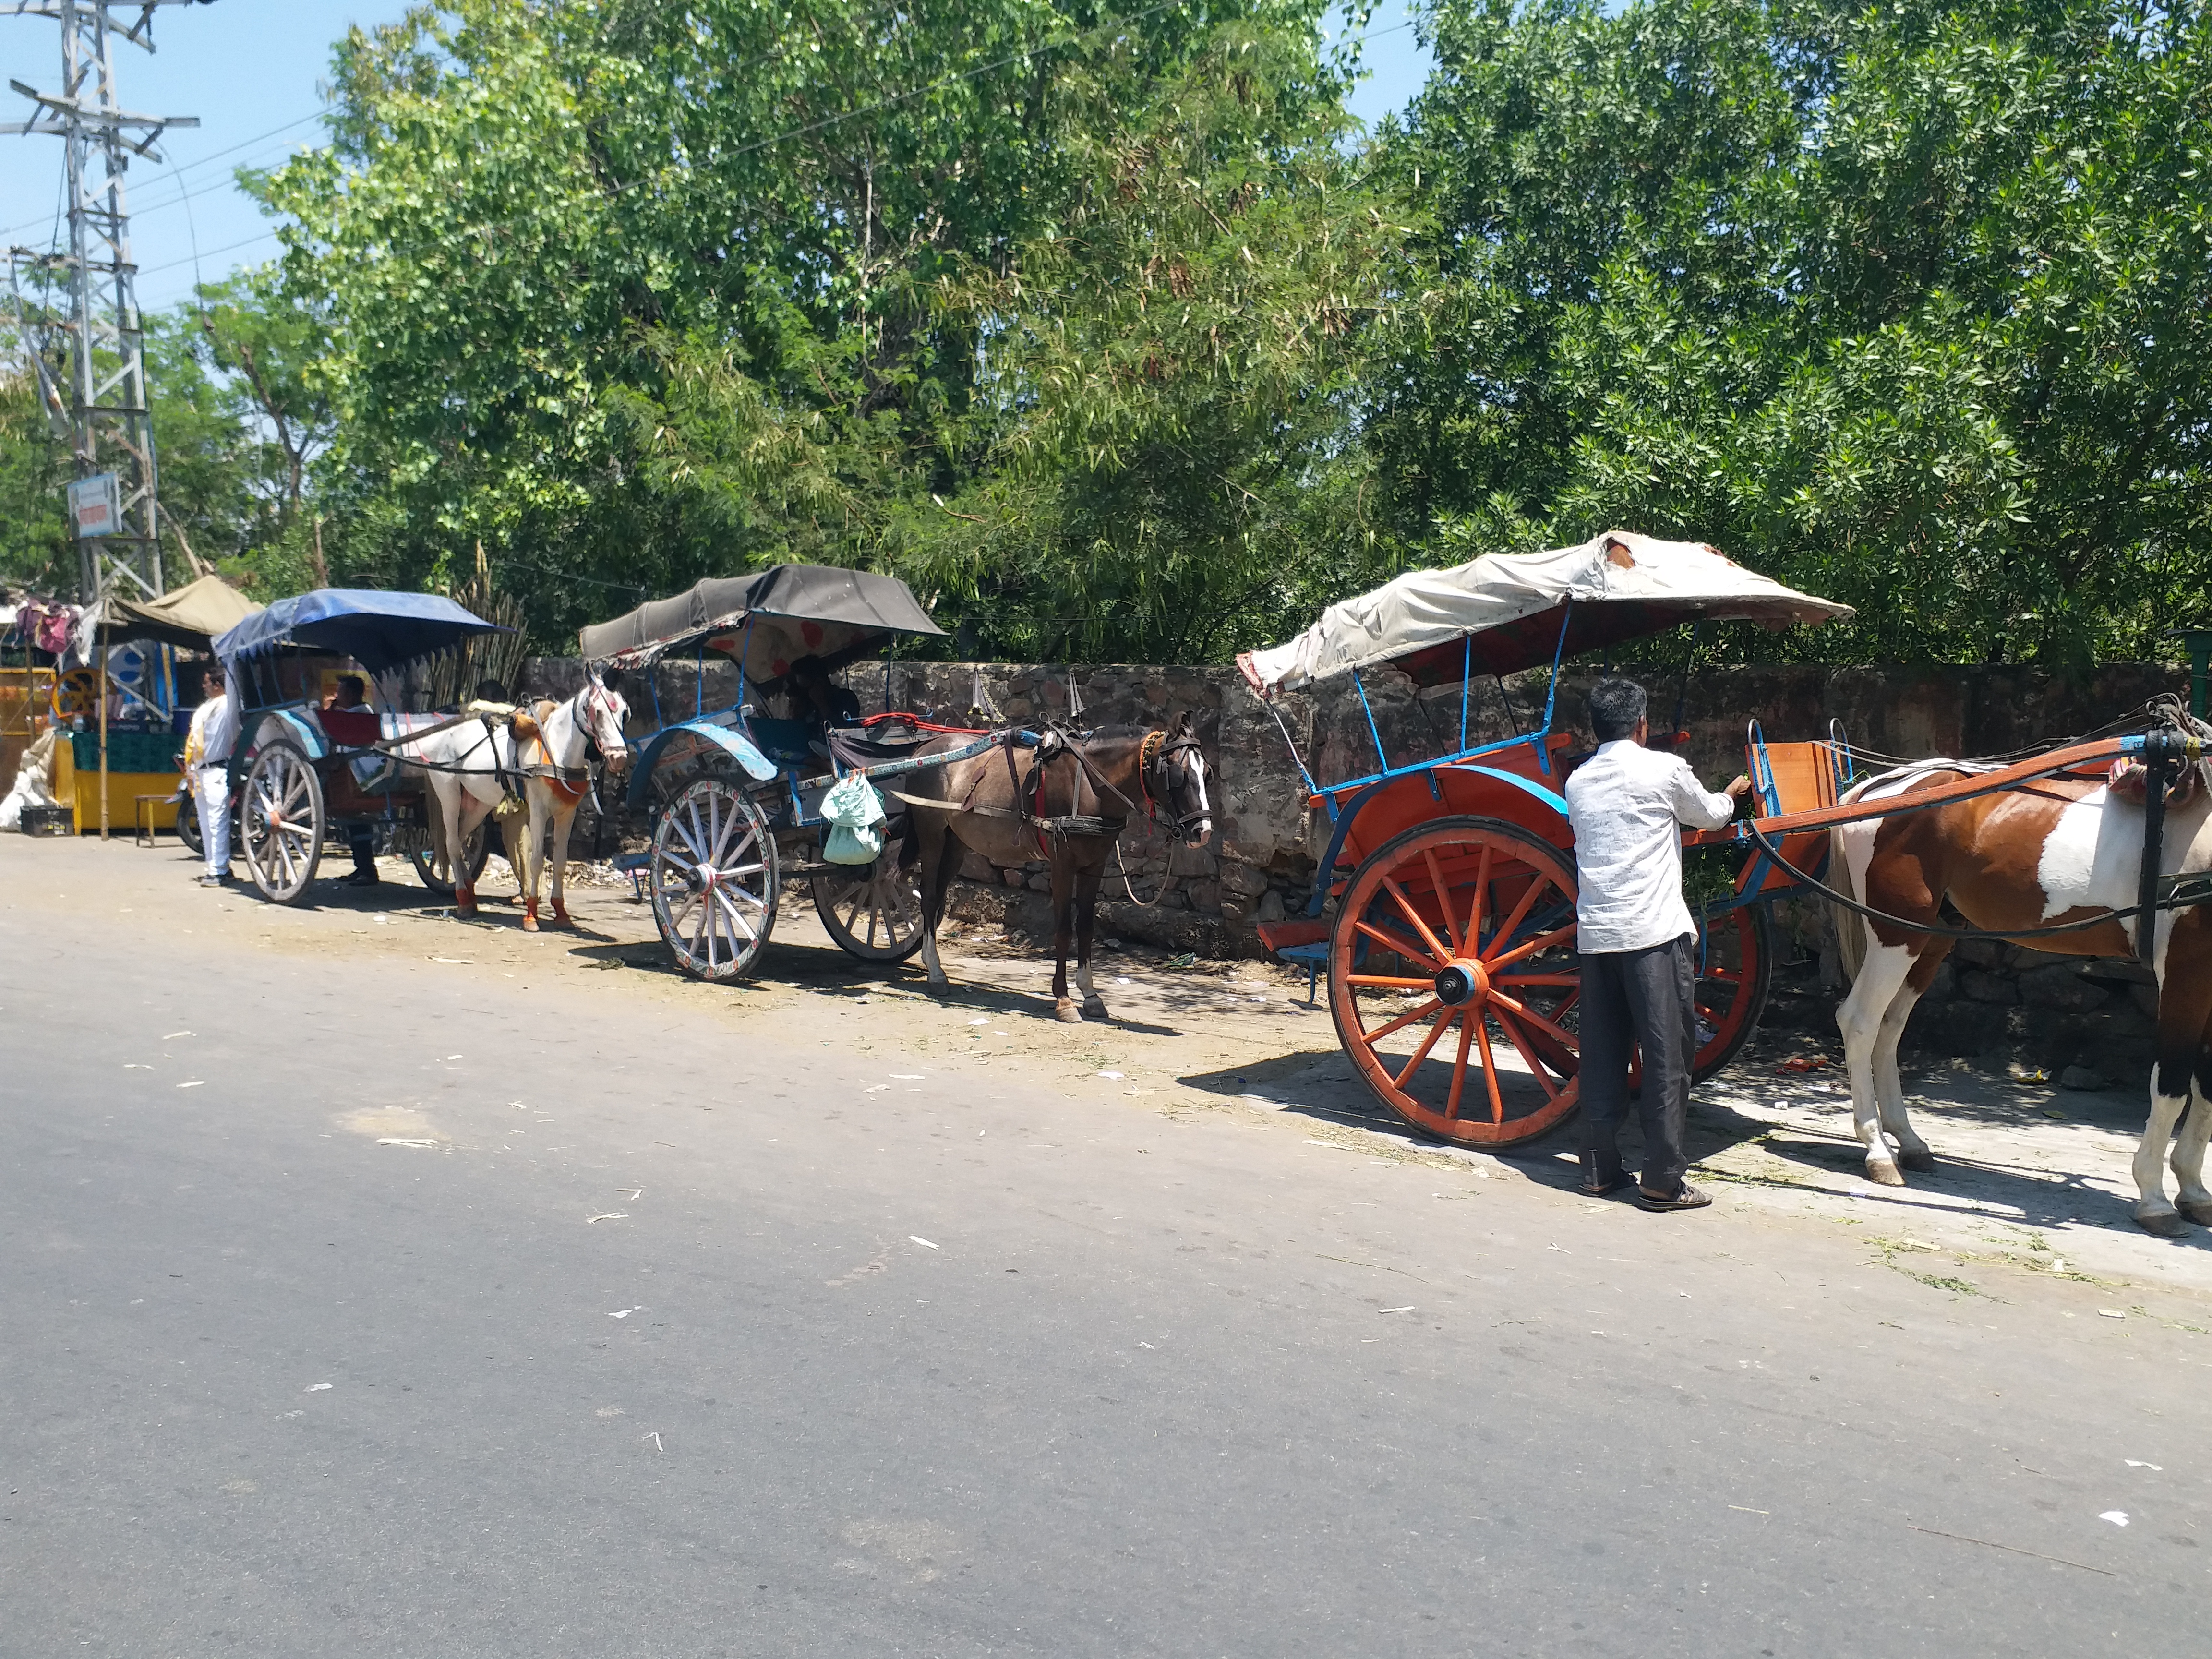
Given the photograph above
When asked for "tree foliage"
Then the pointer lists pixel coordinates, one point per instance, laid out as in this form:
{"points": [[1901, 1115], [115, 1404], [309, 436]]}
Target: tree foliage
{"points": [[1908, 304], [1105, 329]]}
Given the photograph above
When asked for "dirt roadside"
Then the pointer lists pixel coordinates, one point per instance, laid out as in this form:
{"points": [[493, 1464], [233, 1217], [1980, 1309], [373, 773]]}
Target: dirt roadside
{"points": [[2033, 1183]]}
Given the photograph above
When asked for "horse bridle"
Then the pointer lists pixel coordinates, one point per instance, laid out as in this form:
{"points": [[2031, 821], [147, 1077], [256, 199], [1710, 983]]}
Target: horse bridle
{"points": [[1157, 750], [593, 695]]}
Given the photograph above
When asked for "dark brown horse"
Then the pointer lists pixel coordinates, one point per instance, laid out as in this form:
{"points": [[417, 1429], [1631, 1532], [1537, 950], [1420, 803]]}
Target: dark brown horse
{"points": [[1068, 801]]}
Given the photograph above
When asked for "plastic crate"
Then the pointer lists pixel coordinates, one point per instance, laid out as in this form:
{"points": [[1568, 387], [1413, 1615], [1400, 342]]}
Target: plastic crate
{"points": [[49, 821]]}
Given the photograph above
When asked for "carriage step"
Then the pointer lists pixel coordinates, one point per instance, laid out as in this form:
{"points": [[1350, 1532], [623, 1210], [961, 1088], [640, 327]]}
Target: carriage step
{"points": [[1302, 941], [635, 864]]}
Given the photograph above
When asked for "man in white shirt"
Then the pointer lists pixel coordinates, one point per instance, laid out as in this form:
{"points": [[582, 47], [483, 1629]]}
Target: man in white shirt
{"points": [[1627, 805], [213, 735]]}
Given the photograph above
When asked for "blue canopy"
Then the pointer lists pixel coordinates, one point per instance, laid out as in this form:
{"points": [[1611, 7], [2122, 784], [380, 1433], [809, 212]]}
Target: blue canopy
{"points": [[378, 630]]}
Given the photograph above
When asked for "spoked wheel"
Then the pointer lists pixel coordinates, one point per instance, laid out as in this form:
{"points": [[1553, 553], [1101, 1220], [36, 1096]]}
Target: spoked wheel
{"points": [[283, 821], [1459, 1012], [713, 880], [872, 910], [76, 692], [1735, 959], [414, 842]]}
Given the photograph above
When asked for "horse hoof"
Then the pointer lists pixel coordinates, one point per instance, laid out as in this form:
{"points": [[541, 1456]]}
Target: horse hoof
{"points": [[2198, 1210], [1923, 1159], [1095, 1008], [1066, 1012], [530, 924], [2164, 1223], [1884, 1173]]}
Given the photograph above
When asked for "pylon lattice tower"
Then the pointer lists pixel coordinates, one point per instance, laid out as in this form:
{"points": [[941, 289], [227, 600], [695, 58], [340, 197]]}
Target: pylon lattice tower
{"points": [[103, 415]]}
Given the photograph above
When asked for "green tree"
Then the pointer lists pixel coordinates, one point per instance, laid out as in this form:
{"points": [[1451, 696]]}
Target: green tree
{"points": [[35, 550], [1908, 305], [629, 292], [1170, 381]]}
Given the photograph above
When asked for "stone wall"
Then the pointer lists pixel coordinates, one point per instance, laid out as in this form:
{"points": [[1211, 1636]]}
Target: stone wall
{"points": [[1259, 862]]}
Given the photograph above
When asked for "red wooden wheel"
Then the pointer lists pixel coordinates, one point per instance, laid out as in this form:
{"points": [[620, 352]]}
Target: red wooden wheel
{"points": [[1453, 980], [1735, 958]]}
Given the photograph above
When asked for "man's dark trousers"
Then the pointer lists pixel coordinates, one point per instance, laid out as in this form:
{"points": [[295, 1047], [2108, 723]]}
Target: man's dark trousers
{"points": [[1632, 999]]}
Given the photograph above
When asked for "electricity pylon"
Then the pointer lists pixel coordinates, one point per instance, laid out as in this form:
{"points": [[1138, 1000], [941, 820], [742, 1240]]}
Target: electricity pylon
{"points": [[103, 412]]}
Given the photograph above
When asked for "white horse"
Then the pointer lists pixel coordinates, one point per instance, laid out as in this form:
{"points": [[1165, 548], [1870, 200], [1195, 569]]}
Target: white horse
{"points": [[554, 752], [470, 767]]}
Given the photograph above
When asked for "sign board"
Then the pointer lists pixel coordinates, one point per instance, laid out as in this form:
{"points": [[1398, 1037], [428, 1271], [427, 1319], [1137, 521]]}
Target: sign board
{"points": [[96, 505]]}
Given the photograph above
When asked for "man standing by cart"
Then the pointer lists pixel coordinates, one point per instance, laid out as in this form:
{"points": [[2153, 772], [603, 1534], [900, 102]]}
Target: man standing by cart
{"points": [[351, 696], [208, 744], [1627, 804]]}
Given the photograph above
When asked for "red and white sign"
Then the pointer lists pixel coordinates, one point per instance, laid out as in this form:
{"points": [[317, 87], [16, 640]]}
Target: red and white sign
{"points": [[96, 505]]}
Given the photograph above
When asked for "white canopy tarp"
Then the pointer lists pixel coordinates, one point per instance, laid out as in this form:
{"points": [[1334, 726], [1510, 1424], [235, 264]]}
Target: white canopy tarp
{"points": [[1511, 606]]}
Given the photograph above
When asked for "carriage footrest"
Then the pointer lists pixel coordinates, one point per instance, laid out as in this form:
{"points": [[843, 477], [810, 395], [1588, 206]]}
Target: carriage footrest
{"points": [[1302, 941], [635, 864]]}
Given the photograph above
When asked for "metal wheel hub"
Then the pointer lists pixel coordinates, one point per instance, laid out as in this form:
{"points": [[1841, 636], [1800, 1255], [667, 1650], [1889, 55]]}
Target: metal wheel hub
{"points": [[1462, 981]]}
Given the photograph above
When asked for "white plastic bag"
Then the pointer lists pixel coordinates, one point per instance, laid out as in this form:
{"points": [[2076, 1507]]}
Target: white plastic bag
{"points": [[854, 813]]}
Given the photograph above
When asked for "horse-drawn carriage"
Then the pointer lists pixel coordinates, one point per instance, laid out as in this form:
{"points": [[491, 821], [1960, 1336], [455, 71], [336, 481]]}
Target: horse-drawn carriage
{"points": [[1446, 896], [302, 771], [736, 794]]}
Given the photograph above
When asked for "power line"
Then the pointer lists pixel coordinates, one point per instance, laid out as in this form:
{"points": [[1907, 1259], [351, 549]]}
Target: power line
{"points": [[177, 173], [263, 236]]}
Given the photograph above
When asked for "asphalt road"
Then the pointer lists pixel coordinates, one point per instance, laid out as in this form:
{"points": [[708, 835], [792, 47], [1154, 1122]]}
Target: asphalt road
{"points": [[646, 1355]]}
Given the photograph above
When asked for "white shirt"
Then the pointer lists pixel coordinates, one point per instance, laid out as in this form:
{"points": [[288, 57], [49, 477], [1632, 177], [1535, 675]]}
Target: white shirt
{"points": [[215, 731], [1627, 804]]}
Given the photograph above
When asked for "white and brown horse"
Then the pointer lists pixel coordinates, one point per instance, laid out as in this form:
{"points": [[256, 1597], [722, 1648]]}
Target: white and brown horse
{"points": [[553, 750], [2041, 854], [1069, 807], [472, 766]]}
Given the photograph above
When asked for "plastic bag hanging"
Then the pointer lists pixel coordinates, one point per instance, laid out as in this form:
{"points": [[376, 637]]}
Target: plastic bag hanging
{"points": [[854, 812]]}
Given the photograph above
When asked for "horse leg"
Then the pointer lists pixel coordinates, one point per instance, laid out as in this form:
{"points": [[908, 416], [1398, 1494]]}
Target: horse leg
{"points": [[533, 855], [1063, 916], [2193, 1201], [935, 841], [1086, 922], [562, 825], [1912, 1151], [2184, 1012], [469, 810], [452, 808], [1861, 1019]]}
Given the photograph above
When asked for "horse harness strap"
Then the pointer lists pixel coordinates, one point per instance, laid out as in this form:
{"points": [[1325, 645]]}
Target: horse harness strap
{"points": [[1029, 793], [2161, 751]]}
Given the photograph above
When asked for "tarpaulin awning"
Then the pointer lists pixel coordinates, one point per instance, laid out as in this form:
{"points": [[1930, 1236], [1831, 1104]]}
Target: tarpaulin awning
{"points": [[378, 630], [1503, 611], [189, 617], [808, 610]]}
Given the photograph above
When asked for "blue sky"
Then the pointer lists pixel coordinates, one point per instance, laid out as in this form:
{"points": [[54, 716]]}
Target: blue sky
{"points": [[252, 70]]}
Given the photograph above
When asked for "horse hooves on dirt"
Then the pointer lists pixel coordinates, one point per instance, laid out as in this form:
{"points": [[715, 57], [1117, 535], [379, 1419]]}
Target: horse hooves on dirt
{"points": [[529, 924], [2200, 1214], [1884, 1174], [2163, 1223], [1923, 1159], [1095, 1008], [1066, 1012]]}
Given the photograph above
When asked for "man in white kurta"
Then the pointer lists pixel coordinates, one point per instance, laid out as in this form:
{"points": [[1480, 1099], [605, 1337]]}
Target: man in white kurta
{"points": [[208, 744], [1627, 805]]}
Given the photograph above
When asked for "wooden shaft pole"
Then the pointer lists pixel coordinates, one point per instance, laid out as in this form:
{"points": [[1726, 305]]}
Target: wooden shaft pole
{"points": [[2096, 751], [100, 642]]}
